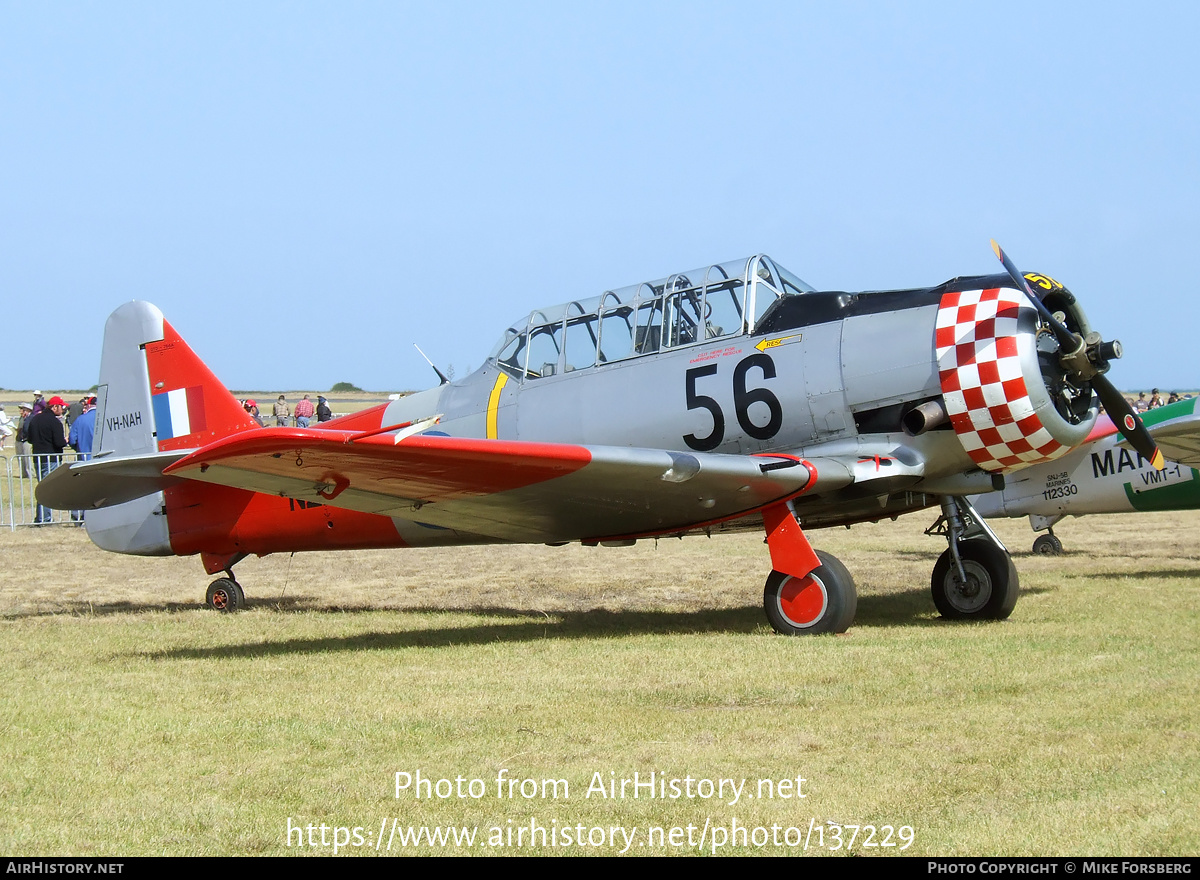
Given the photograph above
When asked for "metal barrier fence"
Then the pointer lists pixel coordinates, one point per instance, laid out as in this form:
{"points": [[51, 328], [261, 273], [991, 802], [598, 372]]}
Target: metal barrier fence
{"points": [[18, 506]]}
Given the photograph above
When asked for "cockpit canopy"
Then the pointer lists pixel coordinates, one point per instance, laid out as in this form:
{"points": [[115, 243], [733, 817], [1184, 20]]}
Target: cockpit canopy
{"points": [[688, 308]]}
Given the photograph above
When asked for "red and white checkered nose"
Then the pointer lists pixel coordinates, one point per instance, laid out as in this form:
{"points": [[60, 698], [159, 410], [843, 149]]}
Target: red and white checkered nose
{"points": [[992, 384]]}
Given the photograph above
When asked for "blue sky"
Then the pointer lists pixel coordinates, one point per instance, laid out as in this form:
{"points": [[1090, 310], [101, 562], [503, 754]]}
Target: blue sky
{"points": [[307, 189]]}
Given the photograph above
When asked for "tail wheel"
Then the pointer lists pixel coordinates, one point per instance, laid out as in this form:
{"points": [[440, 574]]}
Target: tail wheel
{"points": [[1047, 545], [225, 595], [990, 592], [824, 601]]}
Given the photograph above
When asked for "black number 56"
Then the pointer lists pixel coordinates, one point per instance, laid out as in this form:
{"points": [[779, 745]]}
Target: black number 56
{"points": [[743, 397]]}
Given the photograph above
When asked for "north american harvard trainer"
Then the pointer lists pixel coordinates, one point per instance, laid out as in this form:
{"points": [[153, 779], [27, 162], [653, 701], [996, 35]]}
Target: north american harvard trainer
{"points": [[730, 397]]}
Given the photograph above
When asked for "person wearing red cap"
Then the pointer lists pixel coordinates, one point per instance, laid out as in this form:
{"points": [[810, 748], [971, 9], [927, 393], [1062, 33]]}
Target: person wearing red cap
{"points": [[83, 429], [45, 433], [81, 435], [251, 407]]}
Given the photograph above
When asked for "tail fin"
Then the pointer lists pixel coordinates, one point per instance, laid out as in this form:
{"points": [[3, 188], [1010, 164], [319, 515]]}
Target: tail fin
{"points": [[155, 396]]}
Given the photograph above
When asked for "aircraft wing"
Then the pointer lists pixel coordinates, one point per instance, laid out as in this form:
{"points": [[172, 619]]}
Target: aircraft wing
{"points": [[1174, 427], [1178, 437], [511, 490]]}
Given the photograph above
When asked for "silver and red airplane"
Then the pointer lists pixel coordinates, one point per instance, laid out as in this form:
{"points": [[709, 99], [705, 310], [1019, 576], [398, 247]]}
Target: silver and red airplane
{"points": [[730, 397], [1106, 475]]}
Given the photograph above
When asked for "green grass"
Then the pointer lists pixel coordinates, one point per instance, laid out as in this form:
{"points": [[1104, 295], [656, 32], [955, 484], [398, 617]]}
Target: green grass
{"points": [[138, 723]]}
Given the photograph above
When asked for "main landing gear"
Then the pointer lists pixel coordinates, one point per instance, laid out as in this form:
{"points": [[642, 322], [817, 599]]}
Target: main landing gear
{"points": [[808, 592], [974, 579]]}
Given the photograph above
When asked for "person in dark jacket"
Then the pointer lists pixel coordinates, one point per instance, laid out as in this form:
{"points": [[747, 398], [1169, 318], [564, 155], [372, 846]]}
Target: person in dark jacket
{"points": [[48, 439], [323, 412]]}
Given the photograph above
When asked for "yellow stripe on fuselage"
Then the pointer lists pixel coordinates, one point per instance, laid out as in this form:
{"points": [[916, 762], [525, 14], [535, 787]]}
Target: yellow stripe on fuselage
{"points": [[493, 412]]}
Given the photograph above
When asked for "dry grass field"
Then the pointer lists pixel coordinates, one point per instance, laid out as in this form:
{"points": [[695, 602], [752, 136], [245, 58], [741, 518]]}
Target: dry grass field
{"points": [[137, 722]]}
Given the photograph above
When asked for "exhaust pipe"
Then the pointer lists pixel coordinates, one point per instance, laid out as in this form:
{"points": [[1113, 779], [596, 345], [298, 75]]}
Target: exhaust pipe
{"points": [[925, 417]]}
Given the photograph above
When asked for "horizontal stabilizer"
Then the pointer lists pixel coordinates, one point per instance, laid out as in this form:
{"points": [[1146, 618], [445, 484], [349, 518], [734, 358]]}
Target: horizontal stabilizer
{"points": [[104, 482]]}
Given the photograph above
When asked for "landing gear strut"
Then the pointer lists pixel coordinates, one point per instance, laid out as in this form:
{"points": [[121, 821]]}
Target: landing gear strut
{"points": [[974, 579], [225, 595]]}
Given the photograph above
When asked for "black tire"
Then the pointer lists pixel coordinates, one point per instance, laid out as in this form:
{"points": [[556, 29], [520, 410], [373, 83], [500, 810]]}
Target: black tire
{"points": [[225, 595], [823, 602], [1047, 545], [991, 589]]}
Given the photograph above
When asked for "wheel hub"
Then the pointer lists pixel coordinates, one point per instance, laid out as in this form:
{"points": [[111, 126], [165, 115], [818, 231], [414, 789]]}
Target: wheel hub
{"points": [[970, 589], [803, 600], [971, 596]]}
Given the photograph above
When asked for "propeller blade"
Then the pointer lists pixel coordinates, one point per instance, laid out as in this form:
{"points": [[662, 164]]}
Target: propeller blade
{"points": [[1115, 404], [1127, 421], [1066, 339]]}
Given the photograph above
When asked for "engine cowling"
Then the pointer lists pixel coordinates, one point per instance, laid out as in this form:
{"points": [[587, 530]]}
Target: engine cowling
{"points": [[1009, 400]]}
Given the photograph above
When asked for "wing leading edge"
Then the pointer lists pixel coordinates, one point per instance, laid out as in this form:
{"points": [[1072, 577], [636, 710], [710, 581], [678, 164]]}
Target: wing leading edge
{"points": [[1174, 427]]}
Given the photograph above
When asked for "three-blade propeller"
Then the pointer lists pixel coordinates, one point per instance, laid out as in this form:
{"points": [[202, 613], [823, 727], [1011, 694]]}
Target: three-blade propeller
{"points": [[1086, 360]]}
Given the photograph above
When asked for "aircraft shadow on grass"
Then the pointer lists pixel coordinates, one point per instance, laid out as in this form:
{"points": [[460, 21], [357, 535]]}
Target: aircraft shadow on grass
{"points": [[899, 608], [1141, 575], [910, 609]]}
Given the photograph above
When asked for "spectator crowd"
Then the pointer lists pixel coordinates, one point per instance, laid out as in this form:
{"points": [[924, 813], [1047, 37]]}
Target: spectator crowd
{"points": [[1155, 401], [283, 415], [44, 430]]}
